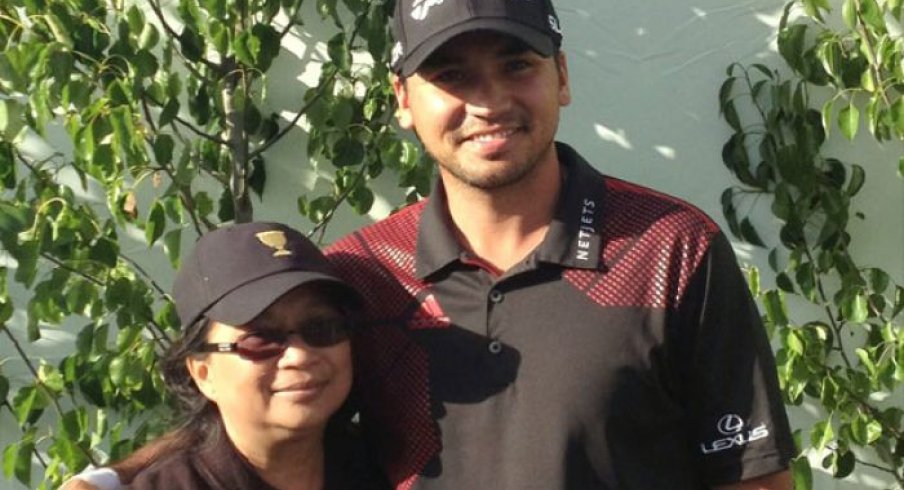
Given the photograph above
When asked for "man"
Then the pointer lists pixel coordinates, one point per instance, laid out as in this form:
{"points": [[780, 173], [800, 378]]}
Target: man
{"points": [[535, 324]]}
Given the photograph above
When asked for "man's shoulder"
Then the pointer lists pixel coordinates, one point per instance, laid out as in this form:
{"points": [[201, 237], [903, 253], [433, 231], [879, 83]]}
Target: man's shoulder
{"points": [[643, 208], [398, 229], [626, 203]]}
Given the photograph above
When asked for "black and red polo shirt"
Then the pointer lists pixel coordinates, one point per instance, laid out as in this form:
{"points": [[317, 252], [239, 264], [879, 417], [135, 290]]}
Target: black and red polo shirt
{"points": [[624, 353]]}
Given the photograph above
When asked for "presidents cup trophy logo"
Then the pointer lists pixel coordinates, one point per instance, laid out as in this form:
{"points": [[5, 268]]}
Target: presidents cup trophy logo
{"points": [[276, 240]]}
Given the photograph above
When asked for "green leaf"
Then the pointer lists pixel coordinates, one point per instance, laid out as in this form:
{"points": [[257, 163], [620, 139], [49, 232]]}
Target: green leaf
{"points": [[893, 117], [362, 199], [849, 13], [866, 361], [338, 52], [858, 178], [872, 15], [784, 283], [849, 121], [155, 224], [27, 263], [855, 308], [841, 462], [11, 119], [28, 404], [826, 113], [163, 149], [17, 461], [172, 244], [774, 303], [821, 434], [730, 112], [51, 378], [258, 178], [226, 210], [104, 251], [118, 371], [879, 280], [169, 112], [268, 41], [246, 48], [802, 474], [749, 233], [791, 45], [145, 63], [349, 152], [191, 43]]}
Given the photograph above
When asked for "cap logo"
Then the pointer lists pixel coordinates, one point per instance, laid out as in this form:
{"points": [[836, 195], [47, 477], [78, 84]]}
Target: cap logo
{"points": [[554, 25], [276, 240], [421, 8], [397, 51]]}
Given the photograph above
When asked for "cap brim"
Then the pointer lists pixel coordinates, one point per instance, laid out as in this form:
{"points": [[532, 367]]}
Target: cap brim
{"points": [[245, 303], [537, 40]]}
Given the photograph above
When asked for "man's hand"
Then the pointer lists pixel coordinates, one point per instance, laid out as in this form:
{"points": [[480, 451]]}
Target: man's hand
{"points": [[774, 481]]}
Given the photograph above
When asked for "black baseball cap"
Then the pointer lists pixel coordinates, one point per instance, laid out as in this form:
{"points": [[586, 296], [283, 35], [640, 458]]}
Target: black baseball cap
{"points": [[234, 273], [421, 26]]}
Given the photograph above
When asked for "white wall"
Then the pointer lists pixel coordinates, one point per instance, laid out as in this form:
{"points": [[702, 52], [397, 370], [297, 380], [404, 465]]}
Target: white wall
{"points": [[645, 77]]}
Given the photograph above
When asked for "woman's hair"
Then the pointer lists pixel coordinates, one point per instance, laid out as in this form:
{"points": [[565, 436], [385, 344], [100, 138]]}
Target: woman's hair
{"points": [[198, 418]]}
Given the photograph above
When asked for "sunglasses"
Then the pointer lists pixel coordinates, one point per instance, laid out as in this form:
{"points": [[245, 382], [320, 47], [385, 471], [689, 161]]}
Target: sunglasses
{"points": [[258, 345]]}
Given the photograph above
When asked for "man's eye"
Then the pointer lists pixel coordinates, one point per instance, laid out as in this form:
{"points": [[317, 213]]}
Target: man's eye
{"points": [[517, 65], [448, 76]]}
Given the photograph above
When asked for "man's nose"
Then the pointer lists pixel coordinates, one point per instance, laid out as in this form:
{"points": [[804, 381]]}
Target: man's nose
{"points": [[490, 95]]}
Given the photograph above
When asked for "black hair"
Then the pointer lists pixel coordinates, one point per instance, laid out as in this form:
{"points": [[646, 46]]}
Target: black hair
{"points": [[198, 416]]}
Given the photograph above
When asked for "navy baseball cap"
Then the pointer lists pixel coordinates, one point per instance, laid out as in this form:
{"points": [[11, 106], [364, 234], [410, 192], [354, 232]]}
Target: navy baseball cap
{"points": [[236, 272], [419, 27]]}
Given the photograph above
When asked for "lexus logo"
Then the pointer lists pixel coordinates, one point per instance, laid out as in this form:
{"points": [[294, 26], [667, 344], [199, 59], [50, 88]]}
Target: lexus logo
{"points": [[730, 424]]}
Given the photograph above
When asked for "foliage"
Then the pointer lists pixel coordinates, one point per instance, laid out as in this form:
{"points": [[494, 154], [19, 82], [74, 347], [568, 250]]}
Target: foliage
{"points": [[848, 357], [164, 107]]}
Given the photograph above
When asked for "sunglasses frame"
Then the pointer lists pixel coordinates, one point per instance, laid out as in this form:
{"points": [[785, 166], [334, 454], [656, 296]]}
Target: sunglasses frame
{"points": [[340, 331]]}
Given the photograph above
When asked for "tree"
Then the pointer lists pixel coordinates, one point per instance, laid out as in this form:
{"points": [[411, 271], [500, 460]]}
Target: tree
{"points": [[848, 356], [165, 108]]}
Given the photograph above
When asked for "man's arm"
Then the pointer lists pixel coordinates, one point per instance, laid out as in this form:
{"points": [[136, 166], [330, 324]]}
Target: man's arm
{"points": [[774, 481]]}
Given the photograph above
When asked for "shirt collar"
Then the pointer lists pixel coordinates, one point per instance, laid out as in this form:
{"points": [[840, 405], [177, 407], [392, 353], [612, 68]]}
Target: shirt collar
{"points": [[573, 239]]}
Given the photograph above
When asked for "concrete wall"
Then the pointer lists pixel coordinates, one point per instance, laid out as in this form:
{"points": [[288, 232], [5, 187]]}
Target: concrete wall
{"points": [[645, 77]]}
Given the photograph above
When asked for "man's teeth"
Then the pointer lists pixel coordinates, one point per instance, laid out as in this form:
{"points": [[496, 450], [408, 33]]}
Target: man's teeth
{"points": [[493, 136]]}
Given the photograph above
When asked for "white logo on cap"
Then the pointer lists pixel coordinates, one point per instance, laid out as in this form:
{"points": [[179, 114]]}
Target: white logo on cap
{"points": [[554, 24], [421, 8], [397, 51]]}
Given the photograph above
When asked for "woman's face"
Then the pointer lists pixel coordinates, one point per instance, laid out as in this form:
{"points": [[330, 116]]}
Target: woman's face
{"points": [[290, 394]]}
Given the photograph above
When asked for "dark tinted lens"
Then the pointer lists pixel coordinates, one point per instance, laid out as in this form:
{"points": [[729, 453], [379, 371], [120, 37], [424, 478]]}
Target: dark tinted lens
{"points": [[324, 332], [261, 345]]}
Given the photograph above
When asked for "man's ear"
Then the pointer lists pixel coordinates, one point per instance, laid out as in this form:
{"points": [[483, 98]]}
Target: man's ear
{"points": [[564, 88], [403, 113], [199, 369]]}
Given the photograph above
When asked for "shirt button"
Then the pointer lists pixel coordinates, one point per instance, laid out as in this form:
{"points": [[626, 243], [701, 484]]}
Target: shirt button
{"points": [[495, 347], [496, 296]]}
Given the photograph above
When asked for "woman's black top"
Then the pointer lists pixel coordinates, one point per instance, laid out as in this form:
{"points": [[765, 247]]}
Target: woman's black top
{"points": [[216, 465]]}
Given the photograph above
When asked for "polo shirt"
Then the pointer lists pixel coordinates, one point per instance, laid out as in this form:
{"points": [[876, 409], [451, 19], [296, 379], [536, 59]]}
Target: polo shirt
{"points": [[625, 352]]}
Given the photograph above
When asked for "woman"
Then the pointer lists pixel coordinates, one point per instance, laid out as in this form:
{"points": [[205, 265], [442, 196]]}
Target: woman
{"points": [[262, 369]]}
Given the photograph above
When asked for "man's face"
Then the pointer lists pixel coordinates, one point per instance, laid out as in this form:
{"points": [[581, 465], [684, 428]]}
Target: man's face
{"points": [[486, 107]]}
